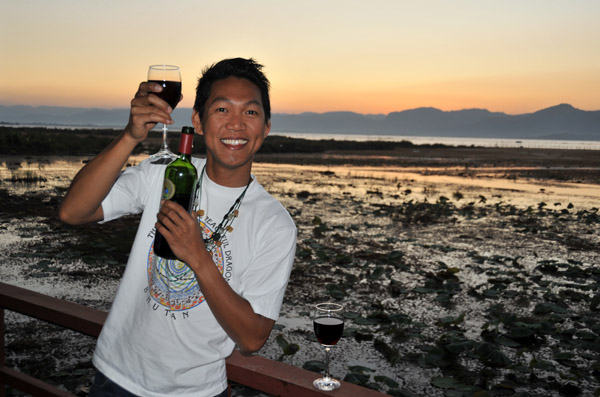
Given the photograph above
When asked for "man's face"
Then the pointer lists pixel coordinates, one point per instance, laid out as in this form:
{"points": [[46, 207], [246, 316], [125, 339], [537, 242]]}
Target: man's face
{"points": [[234, 127]]}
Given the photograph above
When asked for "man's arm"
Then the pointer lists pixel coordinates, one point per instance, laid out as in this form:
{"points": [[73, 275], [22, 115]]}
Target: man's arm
{"points": [[83, 202], [247, 329]]}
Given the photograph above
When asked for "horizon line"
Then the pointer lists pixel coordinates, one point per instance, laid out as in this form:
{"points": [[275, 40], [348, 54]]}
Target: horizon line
{"points": [[326, 112]]}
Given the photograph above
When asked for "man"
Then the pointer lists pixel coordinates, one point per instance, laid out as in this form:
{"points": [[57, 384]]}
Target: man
{"points": [[173, 322]]}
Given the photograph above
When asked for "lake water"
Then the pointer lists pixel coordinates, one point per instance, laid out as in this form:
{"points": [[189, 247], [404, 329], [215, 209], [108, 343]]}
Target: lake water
{"points": [[455, 141]]}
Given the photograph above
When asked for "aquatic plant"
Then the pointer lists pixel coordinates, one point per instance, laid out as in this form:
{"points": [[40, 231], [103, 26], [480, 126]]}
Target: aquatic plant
{"points": [[26, 176]]}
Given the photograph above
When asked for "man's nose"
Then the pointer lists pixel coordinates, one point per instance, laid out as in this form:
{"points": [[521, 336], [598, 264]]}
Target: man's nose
{"points": [[235, 122]]}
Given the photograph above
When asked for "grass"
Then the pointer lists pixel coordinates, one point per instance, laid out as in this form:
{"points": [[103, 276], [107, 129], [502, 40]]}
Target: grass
{"points": [[27, 176]]}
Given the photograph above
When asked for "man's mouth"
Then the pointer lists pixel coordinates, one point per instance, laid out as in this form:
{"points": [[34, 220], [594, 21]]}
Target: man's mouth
{"points": [[234, 142]]}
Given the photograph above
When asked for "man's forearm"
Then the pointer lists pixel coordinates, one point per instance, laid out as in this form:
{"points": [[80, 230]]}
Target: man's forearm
{"points": [[235, 314], [82, 204]]}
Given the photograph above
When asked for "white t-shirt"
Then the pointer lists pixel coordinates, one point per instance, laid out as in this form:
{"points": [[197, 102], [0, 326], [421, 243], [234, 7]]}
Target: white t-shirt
{"points": [[160, 337]]}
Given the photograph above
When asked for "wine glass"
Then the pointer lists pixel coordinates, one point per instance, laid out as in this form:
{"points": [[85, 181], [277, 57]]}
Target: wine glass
{"points": [[169, 77], [328, 321]]}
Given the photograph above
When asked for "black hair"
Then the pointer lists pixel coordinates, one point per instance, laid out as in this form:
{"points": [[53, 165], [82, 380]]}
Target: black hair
{"points": [[241, 68]]}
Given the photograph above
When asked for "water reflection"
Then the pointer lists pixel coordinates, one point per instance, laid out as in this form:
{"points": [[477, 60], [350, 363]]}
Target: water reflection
{"points": [[386, 184], [419, 183], [42, 173]]}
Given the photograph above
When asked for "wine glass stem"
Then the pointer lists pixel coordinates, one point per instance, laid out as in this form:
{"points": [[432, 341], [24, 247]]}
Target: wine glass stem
{"points": [[327, 363], [164, 144]]}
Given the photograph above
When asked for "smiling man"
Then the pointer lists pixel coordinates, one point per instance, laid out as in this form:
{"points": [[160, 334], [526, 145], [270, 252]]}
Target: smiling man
{"points": [[173, 322]]}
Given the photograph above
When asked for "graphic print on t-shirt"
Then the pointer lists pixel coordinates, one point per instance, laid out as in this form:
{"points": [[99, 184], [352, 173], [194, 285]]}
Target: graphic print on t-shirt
{"points": [[172, 284]]}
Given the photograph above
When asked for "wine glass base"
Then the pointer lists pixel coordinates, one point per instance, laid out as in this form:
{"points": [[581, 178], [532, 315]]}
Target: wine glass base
{"points": [[326, 384], [161, 160], [162, 157]]}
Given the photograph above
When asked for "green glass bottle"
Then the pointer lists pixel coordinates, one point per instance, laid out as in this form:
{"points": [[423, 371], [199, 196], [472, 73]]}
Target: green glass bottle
{"points": [[179, 185]]}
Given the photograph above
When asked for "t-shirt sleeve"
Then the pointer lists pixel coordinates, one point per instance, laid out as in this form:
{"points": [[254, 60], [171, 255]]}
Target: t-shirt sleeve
{"points": [[129, 193], [265, 283]]}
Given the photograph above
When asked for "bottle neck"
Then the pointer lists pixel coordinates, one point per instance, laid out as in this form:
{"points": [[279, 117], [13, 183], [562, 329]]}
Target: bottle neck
{"points": [[185, 156], [185, 146]]}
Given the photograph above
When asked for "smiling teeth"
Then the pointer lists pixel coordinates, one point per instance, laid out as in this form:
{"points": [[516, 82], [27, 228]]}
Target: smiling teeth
{"points": [[234, 141]]}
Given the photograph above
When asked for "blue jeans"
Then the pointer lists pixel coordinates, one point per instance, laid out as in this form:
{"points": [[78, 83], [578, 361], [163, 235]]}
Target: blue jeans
{"points": [[104, 387]]}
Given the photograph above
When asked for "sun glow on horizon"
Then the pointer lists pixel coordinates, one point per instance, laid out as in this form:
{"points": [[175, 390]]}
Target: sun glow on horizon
{"points": [[511, 57]]}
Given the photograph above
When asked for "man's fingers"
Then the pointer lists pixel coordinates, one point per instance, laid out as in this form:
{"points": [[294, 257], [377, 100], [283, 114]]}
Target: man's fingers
{"points": [[150, 114], [144, 96], [172, 222], [164, 218], [147, 87], [149, 99], [172, 214]]}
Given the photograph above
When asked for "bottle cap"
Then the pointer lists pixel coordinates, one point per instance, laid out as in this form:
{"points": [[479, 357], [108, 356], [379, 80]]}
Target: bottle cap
{"points": [[187, 130]]}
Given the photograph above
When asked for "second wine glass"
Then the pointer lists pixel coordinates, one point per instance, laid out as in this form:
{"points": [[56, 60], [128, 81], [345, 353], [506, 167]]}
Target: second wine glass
{"points": [[169, 77], [328, 322]]}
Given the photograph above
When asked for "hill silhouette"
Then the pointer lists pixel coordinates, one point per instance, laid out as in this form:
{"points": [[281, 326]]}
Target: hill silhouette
{"points": [[558, 122]]}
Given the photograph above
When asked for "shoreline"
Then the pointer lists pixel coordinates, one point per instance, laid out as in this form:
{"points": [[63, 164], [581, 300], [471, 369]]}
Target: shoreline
{"points": [[577, 165], [543, 142]]}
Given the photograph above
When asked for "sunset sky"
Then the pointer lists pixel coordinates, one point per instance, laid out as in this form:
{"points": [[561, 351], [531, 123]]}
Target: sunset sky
{"points": [[326, 55]]}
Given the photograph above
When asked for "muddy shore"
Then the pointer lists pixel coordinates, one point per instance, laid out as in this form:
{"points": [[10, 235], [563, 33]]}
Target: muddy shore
{"points": [[451, 290], [550, 164]]}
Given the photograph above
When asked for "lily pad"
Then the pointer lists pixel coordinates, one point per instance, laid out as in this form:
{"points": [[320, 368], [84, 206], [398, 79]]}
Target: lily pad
{"points": [[357, 379], [289, 349], [360, 369], [520, 332], [497, 359], [390, 354], [544, 308], [438, 357], [443, 382], [335, 291], [314, 365], [386, 380], [461, 346], [451, 320], [377, 272]]}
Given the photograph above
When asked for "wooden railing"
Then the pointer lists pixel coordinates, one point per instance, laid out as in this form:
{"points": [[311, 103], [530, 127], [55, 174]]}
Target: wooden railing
{"points": [[259, 373]]}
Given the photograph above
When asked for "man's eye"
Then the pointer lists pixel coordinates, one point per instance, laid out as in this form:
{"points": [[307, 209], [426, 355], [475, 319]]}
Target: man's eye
{"points": [[220, 109], [252, 112]]}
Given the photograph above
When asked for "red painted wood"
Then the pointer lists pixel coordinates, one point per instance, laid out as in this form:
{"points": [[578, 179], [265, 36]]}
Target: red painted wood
{"points": [[283, 379], [257, 372], [53, 310], [30, 384]]}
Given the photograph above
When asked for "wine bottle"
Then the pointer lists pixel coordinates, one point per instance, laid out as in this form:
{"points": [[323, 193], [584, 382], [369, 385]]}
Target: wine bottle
{"points": [[179, 186]]}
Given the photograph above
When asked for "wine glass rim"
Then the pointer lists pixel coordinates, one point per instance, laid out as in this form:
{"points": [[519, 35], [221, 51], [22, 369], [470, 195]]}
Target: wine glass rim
{"points": [[330, 306], [164, 67]]}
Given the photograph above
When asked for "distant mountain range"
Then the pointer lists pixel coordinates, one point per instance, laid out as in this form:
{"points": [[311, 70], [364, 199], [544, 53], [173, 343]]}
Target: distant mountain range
{"points": [[557, 122]]}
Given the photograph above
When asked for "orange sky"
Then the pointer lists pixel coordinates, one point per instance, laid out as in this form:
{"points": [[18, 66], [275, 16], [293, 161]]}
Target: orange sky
{"points": [[367, 57]]}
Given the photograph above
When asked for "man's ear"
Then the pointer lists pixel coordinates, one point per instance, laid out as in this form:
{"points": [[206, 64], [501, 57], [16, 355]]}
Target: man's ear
{"points": [[267, 129], [197, 123]]}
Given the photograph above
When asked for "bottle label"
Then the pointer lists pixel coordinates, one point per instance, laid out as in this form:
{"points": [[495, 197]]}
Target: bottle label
{"points": [[185, 143], [168, 189]]}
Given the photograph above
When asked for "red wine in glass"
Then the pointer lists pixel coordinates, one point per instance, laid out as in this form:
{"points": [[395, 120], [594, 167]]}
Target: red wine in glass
{"points": [[328, 330], [328, 323], [170, 93]]}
